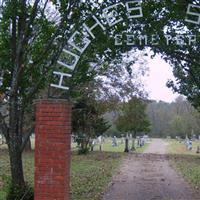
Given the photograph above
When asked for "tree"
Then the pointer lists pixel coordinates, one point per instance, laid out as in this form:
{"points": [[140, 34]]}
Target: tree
{"points": [[178, 127], [133, 118], [29, 46], [87, 122]]}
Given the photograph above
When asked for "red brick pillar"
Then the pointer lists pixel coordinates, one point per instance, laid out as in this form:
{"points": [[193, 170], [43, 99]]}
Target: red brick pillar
{"points": [[52, 149]]}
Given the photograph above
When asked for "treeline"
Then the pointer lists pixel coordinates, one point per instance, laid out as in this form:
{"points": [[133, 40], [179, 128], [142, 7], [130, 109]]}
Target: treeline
{"points": [[178, 118]]}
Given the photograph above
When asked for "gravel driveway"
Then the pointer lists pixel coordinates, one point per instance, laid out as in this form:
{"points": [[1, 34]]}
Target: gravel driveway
{"points": [[149, 176]]}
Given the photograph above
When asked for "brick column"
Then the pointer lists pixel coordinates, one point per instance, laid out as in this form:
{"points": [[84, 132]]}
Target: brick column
{"points": [[52, 149]]}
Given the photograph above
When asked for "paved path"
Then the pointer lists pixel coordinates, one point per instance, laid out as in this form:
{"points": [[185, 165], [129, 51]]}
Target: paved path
{"points": [[149, 177]]}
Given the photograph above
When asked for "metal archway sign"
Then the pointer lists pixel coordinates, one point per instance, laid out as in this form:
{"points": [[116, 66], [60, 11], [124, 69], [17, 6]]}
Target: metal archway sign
{"points": [[110, 17]]}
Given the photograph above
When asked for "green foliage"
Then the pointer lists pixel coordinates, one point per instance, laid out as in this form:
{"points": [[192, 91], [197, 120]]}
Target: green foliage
{"points": [[133, 117], [87, 121], [87, 118], [34, 55], [158, 15], [179, 126]]}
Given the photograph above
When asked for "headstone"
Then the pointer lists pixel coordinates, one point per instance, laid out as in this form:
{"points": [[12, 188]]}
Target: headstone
{"points": [[146, 137], [142, 141], [114, 141], [99, 139], [187, 142], [122, 138], [92, 144], [190, 145]]}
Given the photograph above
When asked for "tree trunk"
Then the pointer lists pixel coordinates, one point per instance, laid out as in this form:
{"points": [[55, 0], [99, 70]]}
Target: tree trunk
{"points": [[14, 142], [84, 146], [133, 144], [92, 148], [126, 145], [16, 165]]}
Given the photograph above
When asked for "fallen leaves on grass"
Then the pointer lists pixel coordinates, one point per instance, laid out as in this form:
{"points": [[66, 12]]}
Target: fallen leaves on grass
{"points": [[189, 166], [91, 174]]}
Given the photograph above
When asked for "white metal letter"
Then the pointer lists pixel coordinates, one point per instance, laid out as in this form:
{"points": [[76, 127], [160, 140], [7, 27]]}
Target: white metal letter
{"points": [[86, 42], [130, 40], [136, 7], [118, 41], [62, 75], [192, 39], [194, 14], [154, 40], [71, 65], [180, 40], [143, 37], [168, 38], [1, 78], [89, 30], [111, 14]]}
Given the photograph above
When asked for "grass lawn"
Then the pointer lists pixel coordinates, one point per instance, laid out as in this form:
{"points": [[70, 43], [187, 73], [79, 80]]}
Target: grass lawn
{"points": [[107, 146], [185, 161], [175, 147], [90, 174], [188, 166]]}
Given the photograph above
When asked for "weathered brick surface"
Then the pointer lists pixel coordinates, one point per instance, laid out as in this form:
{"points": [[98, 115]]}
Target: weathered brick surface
{"points": [[52, 150]]}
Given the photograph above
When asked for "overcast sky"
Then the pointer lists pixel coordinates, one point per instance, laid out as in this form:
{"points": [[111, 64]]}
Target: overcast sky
{"points": [[155, 83]]}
